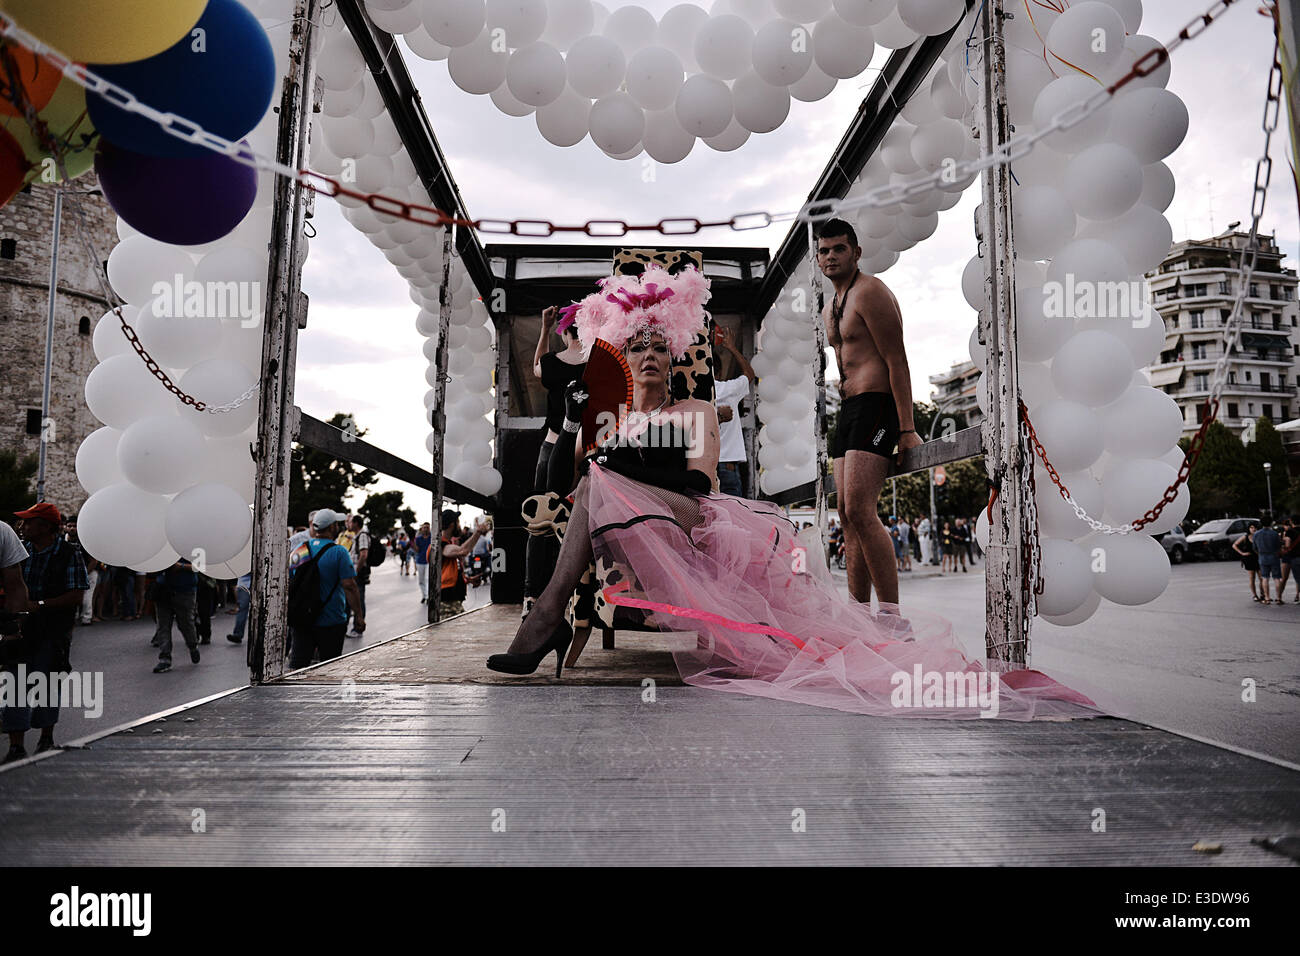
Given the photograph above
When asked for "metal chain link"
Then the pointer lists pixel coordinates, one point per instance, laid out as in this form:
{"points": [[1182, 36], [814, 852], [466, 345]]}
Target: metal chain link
{"points": [[1231, 332]]}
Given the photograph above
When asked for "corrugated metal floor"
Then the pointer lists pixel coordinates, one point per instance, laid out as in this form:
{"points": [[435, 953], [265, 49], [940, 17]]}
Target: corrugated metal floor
{"points": [[299, 774]]}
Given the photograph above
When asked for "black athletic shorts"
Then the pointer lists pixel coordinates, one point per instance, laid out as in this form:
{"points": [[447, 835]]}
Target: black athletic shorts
{"points": [[867, 422]]}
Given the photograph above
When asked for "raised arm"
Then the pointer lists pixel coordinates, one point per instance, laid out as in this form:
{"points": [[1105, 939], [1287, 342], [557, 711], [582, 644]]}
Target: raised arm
{"points": [[728, 341], [543, 340]]}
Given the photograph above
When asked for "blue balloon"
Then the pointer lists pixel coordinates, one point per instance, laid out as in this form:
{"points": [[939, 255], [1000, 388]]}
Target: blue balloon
{"points": [[221, 76]]}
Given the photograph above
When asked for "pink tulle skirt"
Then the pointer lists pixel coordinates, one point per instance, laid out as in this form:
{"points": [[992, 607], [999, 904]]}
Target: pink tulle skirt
{"points": [[771, 621]]}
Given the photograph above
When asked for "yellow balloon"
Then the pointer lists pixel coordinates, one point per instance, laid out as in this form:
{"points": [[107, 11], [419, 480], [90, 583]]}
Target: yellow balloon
{"points": [[98, 31], [65, 116]]}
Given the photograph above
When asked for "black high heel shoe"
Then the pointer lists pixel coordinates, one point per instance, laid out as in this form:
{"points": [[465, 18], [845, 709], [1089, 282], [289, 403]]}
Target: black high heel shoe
{"points": [[559, 642]]}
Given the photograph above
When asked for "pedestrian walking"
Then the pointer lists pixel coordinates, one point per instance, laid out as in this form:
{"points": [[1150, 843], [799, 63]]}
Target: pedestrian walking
{"points": [[175, 596], [423, 539], [323, 637], [923, 534], [948, 558], [359, 551], [1290, 556], [243, 594], [905, 540], [961, 542]]}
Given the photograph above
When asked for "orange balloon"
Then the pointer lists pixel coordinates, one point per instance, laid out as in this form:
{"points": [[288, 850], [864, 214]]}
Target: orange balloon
{"points": [[36, 77], [13, 167]]}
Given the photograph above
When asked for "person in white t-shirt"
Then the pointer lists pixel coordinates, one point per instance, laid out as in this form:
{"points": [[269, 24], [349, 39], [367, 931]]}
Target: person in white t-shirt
{"points": [[12, 556], [727, 396]]}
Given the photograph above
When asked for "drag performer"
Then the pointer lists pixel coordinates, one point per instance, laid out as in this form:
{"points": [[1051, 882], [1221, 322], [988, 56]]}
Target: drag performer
{"points": [[555, 370], [769, 618], [864, 327]]}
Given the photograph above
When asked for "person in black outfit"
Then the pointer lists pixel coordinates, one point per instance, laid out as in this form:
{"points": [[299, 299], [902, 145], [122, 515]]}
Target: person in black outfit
{"points": [[961, 542], [555, 370], [1245, 546]]}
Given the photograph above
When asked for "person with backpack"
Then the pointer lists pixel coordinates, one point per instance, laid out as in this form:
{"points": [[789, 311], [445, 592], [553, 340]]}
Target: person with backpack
{"points": [[322, 586], [359, 550]]}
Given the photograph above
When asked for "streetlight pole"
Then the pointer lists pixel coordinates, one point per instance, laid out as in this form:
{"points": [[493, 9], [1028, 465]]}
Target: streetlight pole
{"points": [[934, 518], [49, 341], [1268, 482]]}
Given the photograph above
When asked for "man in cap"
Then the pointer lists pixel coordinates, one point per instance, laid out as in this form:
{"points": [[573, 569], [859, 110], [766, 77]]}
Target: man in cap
{"points": [[338, 583], [55, 577]]}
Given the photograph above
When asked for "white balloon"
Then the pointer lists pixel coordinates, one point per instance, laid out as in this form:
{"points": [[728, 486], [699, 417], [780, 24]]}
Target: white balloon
{"points": [[1080, 614], [521, 20], [122, 525], [937, 142], [1088, 261], [454, 23], [564, 121], [1152, 122], [396, 19], [759, 106], [108, 339], [1070, 433], [1157, 186], [478, 67], [864, 13], [840, 49], [425, 46], [1036, 386], [802, 11], [813, 85], [138, 264], [1093, 368], [1067, 576], [340, 64], [208, 523], [654, 75], [665, 141], [1136, 47], [893, 34], [217, 382], [1065, 92], [631, 27], [1027, 74], [617, 123], [1131, 569], [704, 105], [229, 461], [733, 137], [121, 390], [1141, 236], [160, 453], [536, 74], [161, 561], [96, 463], [677, 31], [1055, 516], [1087, 39], [505, 101], [595, 66], [724, 45], [972, 283], [1143, 423], [930, 17], [778, 59], [566, 21], [1103, 181]]}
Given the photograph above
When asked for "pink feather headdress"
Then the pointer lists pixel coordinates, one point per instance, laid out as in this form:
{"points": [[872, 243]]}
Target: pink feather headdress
{"points": [[655, 301]]}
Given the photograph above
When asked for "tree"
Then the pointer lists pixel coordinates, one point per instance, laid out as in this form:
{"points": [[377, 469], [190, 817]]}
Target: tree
{"points": [[1220, 481], [16, 482], [385, 511], [1267, 447], [317, 480]]}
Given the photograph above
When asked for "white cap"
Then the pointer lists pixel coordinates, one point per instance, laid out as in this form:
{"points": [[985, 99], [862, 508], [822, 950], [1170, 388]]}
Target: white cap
{"points": [[325, 518]]}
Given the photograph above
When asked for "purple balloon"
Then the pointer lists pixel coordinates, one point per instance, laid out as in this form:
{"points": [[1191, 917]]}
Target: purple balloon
{"points": [[184, 200]]}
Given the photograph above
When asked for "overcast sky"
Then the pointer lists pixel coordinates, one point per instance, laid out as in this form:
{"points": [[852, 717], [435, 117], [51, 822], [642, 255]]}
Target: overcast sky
{"points": [[360, 352]]}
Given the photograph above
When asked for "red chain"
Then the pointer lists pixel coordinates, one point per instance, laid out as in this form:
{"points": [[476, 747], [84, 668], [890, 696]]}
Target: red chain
{"points": [[1210, 411]]}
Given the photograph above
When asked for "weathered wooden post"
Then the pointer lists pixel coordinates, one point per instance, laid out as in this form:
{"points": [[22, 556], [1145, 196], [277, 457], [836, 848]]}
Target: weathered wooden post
{"points": [[439, 423], [1007, 634], [286, 313]]}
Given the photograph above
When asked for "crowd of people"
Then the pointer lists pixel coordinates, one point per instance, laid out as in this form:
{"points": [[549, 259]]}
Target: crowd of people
{"points": [[946, 543], [1270, 552]]}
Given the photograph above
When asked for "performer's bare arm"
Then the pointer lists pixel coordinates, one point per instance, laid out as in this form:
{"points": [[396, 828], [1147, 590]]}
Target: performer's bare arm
{"points": [[543, 340]]}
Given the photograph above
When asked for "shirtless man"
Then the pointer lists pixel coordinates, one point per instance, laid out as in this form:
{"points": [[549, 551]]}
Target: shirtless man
{"points": [[865, 328]]}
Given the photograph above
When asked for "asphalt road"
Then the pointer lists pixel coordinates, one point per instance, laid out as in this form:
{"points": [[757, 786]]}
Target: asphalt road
{"points": [[1178, 662], [121, 651]]}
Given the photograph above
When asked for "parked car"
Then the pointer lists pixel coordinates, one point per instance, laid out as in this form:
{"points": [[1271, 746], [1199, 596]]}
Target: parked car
{"points": [[1175, 544], [1213, 540]]}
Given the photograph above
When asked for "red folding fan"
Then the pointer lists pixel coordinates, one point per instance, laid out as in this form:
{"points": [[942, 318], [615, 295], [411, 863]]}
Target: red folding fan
{"points": [[608, 378]]}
